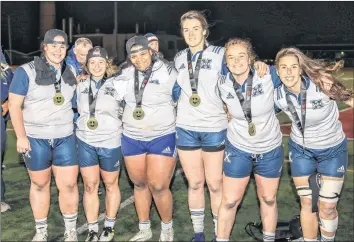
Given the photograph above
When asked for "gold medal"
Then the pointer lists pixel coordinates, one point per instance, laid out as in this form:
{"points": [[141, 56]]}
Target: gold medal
{"points": [[194, 100], [92, 123], [138, 114], [251, 129], [58, 99]]}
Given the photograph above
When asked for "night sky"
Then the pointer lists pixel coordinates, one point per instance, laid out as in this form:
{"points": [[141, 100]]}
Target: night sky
{"points": [[270, 25]]}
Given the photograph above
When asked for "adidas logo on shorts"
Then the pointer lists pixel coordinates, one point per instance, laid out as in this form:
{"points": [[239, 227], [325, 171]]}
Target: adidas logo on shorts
{"points": [[167, 150], [117, 164], [229, 96], [341, 169]]}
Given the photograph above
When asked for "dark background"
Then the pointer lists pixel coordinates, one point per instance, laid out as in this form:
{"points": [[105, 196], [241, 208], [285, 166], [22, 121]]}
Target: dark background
{"points": [[270, 25]]}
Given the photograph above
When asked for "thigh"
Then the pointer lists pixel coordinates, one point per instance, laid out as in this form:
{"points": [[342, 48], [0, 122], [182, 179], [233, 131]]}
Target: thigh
{"points": [[40, 156], [233, 188], [302, 161], [160, 169], [109, 159], [65, 175], [65, 152], [187, 139], [110, 177], [236, 163], [136, 167], [333, 162], [213, 165], [90, 174], [213, 141], [192, 164], [267, 186], [132, 147], [40, 177], [269, 165], [163, 146], [87, 155]]}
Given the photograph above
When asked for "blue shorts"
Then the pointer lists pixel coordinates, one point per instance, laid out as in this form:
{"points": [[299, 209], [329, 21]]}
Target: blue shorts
{"points": [[164, 145], [207, 141], [48, 152], [239, 164], [328, 162], [108, 159]]}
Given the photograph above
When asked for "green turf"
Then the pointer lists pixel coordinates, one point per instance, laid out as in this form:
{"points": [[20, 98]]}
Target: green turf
{"points": [[18, 224]]}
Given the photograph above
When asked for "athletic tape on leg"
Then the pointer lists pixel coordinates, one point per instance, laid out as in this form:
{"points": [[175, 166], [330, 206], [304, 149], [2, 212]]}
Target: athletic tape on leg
{"points": [[304, 191], [330, 190], [329, 225]]}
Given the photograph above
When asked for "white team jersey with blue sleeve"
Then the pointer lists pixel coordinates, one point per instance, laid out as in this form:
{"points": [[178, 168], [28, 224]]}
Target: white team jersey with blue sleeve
{"points": [[268, 135], [209, 116], [109, 129], [322, 126], [157, 103]]}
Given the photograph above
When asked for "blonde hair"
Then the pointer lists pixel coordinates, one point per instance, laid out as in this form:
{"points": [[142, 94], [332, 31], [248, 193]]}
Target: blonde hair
{"points": [[244, 42], [83, 41], [111, 69], [320, 72], [193, 14]]}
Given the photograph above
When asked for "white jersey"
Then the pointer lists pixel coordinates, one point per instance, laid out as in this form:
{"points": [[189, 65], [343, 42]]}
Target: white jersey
{"points": [[42, 118], [322, 126], [268, 135], [109, 129], [209, 116], [157, 103]]}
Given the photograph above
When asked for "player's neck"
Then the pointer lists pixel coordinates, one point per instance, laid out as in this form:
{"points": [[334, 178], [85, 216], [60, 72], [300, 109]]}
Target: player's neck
{"points": [[97, 78], [197, 48], [296, 89], [241, 78]]}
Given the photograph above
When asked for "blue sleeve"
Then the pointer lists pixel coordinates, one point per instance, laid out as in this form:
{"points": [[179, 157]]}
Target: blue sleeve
{"points": [[176, 92], [224, 69], [20, 82], [275, 78]]}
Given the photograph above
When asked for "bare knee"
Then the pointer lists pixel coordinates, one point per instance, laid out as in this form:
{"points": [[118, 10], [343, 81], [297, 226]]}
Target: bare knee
{"points": [[157, 189], [91, 187], [40, 186], [230, 203], [215, 186], [196, 185], [111, 186], [327, 209], [269, 200], [306, 205], [141, 185]]}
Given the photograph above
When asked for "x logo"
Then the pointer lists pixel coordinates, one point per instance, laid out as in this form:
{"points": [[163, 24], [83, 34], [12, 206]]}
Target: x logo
{"points": [[227, 157]]}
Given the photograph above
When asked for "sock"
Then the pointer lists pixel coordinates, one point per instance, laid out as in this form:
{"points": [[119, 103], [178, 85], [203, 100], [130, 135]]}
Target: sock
{"points": [[310, 239], [93, 226], [41, 225], [268, 236], [215, 220], [197, 216], [217, 239], [109, 222], [325, 238], [166, 226], [144, 225], [70, 221]]}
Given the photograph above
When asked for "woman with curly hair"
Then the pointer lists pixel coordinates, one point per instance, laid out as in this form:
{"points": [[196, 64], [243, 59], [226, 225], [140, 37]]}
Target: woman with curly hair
{"points": [[99, 132], [317, 144]]}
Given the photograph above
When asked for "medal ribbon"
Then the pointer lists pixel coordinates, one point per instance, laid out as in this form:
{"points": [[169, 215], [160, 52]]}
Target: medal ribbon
{"points": [[139, 92], [193, 77], [93, 99]]}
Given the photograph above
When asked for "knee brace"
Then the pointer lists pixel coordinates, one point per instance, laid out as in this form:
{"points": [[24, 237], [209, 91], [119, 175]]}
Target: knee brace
{"points": [[304, 191], [330, 190], [329, 225]]}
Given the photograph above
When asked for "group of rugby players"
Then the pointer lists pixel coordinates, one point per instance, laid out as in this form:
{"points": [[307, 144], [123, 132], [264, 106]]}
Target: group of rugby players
{"points": [[214, 106]]}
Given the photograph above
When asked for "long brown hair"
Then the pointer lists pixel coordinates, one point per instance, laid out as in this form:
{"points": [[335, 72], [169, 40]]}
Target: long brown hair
{"points": [[111, 69], [320, 72]]}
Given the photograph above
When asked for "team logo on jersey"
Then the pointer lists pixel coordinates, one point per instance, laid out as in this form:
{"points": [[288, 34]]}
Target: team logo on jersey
{"points": [[85, 91], [205, 64], [257, 90], [109, 91], [182, 67], [157, 82], [229, 96], [317, 104]]}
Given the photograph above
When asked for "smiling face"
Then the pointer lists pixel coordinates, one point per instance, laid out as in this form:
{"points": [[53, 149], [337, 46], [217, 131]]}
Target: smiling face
{"points": [[237, 59], [193, 33], [97, 66], [288, 69], [142, 59], [55, 53], [154, 45]]}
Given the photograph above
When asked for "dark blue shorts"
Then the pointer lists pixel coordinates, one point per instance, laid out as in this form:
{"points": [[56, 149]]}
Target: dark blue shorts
{"points": [[48, 152], [207, 141], [331, 162], [239, 164], [107, 159], [164, 145]]}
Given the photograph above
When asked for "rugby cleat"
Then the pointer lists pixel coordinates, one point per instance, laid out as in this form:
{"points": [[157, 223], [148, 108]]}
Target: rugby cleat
{"points": [[107, 234], [166, 235], [142, 235], [92, 236]]}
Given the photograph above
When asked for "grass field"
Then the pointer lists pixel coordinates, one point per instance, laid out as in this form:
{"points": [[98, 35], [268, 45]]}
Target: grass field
{"points": [[18, 224]]}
